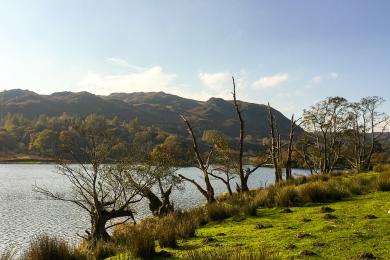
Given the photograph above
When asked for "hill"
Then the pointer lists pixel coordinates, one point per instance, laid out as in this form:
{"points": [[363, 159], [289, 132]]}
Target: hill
{"points": [[151, 108]]}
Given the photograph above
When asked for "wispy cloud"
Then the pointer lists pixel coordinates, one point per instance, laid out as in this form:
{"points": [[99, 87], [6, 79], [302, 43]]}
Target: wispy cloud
{"points": [[123, 63], [271, 81], [151, 79]]}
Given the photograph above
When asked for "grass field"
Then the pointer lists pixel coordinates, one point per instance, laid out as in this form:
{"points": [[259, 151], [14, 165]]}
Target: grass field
{"points": [[347, 236]]}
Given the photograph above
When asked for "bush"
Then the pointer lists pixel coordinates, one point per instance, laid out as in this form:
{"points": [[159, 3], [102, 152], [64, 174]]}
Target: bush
{"points": [[45, 247], [231, 255], [138, 239], [383, 182], [103, 250], [288, 196], [322, 191], [381, 167], [165, 231], [219, 211]]}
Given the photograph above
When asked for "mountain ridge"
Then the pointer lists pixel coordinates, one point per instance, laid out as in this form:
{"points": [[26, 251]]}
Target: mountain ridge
{"points": [[157, 109]]}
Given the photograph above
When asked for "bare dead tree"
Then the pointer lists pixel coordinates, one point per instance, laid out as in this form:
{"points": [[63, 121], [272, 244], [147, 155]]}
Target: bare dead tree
{"points": [[107, 192], [275, 145], [293, 126], [202, 164]]}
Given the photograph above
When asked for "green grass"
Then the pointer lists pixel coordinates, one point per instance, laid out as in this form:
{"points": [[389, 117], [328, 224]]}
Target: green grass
{"points": [[345, 237], [344, 233]]}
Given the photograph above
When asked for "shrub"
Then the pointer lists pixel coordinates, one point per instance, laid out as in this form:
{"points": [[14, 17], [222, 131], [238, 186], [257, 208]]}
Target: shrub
{"points": [[381, 167], [45, 247], [358, 185], [165, 231], [383, 182], [288, 196], [219, 211], [103, 250], [322, 191], [138, 239], [231, 255]]}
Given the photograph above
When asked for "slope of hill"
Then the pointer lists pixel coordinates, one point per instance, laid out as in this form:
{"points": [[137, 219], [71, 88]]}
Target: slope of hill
{"points": [[152, 108]]}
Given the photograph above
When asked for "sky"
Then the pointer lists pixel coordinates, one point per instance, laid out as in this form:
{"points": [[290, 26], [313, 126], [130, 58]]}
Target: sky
{"points": [[289, 53]]}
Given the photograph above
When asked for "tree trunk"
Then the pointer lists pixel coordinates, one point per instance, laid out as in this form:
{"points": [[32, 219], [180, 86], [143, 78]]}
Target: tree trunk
{"points": [[98, 228]]}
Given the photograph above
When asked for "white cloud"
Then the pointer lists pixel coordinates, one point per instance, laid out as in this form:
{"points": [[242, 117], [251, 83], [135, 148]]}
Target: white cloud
{"points": [[333, 75], [316, 79], [220, 85], [217, 81], [271, 81], [151, 79]]}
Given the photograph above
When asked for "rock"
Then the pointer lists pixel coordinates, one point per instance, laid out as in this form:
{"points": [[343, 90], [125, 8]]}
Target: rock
{"points": [[221, 234], [307, 253], [366, 256], [326, 210], [305, 220], [286, 210], [329, 216], [291, 247], [370, 216]]}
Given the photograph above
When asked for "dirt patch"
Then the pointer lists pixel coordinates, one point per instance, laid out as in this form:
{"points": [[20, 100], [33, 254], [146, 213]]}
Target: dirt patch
{"points": [[319, 244], [307, 253], [208, 240], [291, 247], [329, 216], [326, 210], [370, 216], [301, 235], [365, 256], [286, 210], [261, 226]]}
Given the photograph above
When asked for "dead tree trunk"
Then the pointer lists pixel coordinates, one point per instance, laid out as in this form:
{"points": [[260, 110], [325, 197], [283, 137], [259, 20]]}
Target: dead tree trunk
{"points": [[290, 147], [208, 193], [275, 146], [243, 176]]}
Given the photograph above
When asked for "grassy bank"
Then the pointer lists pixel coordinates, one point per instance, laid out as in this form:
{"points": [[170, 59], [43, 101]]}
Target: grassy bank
{"points": [[356, 225], [342, 234]]}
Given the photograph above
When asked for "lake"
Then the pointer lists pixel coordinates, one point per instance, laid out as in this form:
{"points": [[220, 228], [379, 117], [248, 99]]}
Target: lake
{"points": [[25, 214]]}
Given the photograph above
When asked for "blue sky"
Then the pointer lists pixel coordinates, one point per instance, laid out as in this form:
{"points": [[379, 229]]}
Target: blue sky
{"points": [[291, 53]]}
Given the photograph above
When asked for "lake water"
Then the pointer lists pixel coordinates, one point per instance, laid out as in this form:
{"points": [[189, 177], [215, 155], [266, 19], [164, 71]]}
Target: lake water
{"points": [[25, 214]]}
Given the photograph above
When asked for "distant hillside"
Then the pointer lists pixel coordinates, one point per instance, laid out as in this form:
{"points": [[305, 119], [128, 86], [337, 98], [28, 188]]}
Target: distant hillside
{"points": [[151, 108]]}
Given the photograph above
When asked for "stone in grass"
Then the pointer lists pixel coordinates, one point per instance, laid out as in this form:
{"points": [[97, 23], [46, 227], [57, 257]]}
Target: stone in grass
{"points": [[305, 220], [319, 244], [370, 216], [208, 240], [307, 253], [302, 235], [365, 256], [221, 234], [329, 216], [261, 226], [286, 210], [291, 247], [326, 210]]}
